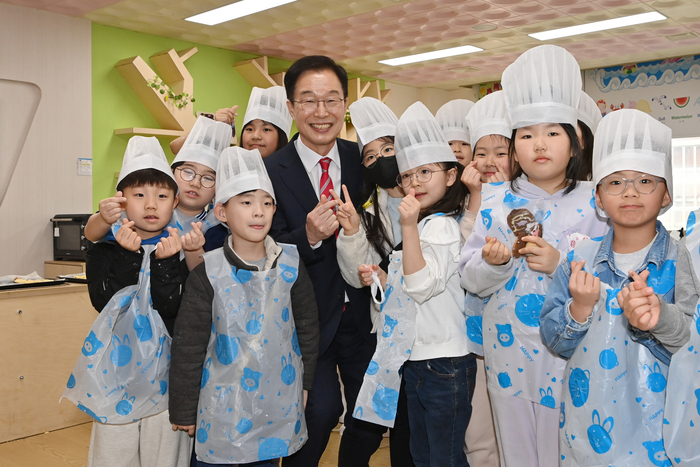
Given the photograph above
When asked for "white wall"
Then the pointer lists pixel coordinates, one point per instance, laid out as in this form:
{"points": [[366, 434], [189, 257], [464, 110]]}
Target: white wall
{"points": [[402, 97], [53, 52]]}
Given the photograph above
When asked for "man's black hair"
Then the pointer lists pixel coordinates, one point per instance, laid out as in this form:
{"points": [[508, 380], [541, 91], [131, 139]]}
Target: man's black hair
{"points": [[313, 63]]}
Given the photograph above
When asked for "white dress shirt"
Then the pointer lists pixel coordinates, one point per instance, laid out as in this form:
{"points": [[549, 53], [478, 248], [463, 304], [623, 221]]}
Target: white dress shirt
{"points": [[311, 159]]}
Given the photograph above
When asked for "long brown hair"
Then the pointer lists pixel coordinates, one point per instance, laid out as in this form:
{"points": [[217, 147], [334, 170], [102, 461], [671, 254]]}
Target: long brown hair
{"points": [[452, 204]]}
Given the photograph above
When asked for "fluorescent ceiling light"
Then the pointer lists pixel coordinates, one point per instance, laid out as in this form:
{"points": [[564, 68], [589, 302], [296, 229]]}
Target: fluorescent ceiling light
{"points": [[599, 26], [465, 49], [235, 10]]}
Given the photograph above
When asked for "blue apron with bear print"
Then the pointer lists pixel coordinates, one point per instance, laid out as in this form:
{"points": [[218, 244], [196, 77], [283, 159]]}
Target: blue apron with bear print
{"points": [[250, 403], [682, 414], [379, 395], [615, 388], [122, 372], [518, 362]]}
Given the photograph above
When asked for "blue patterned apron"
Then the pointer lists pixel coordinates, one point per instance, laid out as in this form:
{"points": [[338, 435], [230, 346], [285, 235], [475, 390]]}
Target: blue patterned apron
{"points": [[518, 363], [122, 372], [613, 402], [379, 395], [682, 424], [250, 402]]}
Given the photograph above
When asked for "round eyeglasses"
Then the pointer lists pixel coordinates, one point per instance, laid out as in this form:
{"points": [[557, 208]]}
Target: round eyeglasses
{"points": [[422, 175], [644, 184], [309, 105], [188, 175], [370, 158]]}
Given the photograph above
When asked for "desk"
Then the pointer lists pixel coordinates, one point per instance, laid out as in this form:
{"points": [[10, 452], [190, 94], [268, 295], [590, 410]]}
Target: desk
{"points": [[42, 330], [53, 269]]}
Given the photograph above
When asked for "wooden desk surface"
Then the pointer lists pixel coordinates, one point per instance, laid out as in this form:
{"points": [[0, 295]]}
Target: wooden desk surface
{"points": [[66, 287]]}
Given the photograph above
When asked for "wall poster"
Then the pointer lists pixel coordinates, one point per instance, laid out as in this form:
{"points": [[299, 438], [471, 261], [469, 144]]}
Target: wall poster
{"points": [[669, 90]]}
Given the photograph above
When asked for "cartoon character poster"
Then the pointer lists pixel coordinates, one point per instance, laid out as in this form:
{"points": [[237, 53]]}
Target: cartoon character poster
{"points": [[668, 90]]}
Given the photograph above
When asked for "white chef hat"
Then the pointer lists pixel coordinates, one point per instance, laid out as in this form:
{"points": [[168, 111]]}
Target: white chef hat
{"points": [[269, 105], [205, 142], [629, 139], [144, 153], [588, 112], [451, 116], [372, 119], [419, 139], [241, 170], [543, 85], [489, 117]]}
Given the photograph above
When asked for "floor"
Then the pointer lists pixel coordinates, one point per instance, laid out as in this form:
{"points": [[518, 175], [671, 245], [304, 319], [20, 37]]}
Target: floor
{"points": [[69, 447]]}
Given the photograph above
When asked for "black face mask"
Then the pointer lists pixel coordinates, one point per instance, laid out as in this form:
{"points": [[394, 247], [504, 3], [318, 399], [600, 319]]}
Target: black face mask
{"points": [[383, 172]]}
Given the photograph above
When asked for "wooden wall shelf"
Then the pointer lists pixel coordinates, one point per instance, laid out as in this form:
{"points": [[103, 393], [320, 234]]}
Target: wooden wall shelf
{"points": [[171, 67], [256, 73], [157, 132]]}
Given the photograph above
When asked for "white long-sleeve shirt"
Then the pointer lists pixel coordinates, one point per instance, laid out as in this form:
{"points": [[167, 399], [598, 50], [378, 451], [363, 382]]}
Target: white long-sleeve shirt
{"points": [[441, 329]]}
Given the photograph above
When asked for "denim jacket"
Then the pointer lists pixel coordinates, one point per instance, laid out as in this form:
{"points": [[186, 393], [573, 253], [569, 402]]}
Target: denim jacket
{"points": [[561, 333]]}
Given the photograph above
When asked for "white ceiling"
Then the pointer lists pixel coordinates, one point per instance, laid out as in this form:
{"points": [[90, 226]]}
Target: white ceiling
{"points": [[360, 33]]}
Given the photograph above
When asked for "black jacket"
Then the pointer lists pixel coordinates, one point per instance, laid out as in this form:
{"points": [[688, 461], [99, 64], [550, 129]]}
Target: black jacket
{"points": [[110, 268], [193, 329], [295, 199]]}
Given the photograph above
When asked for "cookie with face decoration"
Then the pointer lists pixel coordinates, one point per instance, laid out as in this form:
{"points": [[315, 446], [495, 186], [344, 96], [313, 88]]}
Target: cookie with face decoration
{"points": [[522, 223]]}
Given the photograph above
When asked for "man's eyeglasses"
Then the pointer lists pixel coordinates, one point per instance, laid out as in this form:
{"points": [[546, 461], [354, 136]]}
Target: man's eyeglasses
{"points": [[644, 184], [331, 104], [188, 175]]}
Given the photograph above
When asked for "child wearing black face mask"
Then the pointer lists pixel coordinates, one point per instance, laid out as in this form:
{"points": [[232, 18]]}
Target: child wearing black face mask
{"points": [[369, 236]]}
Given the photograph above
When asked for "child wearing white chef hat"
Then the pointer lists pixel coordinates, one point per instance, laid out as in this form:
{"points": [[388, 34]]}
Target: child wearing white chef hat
{"points": [[599, 312]]}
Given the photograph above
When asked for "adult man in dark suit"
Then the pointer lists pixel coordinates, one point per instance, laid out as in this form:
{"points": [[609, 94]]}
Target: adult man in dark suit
{"points": [[302, 173]]}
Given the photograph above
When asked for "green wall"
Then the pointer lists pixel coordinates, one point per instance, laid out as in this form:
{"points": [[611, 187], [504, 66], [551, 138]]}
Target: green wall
{"points": [[114, 105]]}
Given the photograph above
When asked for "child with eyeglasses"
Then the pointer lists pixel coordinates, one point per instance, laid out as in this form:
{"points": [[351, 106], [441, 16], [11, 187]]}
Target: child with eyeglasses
{"points": [[370, 235], [195, 173], [424, 333], [522, 233], [615, 379]]}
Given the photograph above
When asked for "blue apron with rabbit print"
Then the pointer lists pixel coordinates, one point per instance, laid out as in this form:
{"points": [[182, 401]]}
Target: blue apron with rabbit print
{"points": [[250, 403], [518, 362], [379, 395], [122, 372], [682, 414], [612, 409]]}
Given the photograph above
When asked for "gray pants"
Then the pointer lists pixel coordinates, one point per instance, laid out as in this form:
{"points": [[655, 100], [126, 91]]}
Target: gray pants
{"points": [[528, 433], [149, 442]]}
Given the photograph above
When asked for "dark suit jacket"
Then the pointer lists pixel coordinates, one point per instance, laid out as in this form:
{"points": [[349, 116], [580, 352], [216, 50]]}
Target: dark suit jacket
{"points": [[295, 199]]}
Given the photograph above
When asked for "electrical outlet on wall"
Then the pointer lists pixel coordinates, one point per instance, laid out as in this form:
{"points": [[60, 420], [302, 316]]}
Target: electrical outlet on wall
{"points": [[84, 166]]}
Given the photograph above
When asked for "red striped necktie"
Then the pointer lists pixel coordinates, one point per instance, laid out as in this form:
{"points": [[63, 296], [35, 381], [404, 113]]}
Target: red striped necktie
{"points": [[326, 182]]}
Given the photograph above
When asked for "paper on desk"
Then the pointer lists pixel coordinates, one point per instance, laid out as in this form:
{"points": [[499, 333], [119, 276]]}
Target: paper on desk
{"points": [[11, 278]]}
